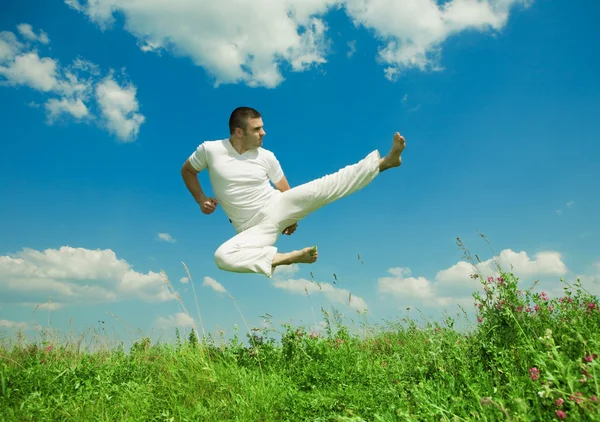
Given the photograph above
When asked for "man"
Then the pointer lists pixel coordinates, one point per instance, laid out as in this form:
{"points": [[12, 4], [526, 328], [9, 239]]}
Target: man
{"points": [[240, 171]]}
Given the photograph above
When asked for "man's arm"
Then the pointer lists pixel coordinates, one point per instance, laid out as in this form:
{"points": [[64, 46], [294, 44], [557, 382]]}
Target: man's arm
{"points": [[282, 185], [190, 178]]}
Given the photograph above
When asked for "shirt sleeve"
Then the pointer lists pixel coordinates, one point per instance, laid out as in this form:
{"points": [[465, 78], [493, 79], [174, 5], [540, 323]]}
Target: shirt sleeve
{"points": [[199, 159], [274, 170]]}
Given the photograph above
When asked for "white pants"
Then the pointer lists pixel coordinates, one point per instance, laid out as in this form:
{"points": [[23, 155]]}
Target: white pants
{"points": [[252, 250]]}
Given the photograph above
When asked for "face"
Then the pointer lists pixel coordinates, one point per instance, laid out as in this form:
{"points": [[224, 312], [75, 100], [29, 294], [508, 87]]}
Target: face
{"points": [[254, 133]]}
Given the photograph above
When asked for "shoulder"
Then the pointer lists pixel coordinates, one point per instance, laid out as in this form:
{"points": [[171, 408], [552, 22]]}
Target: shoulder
{"points": [[212, 147], [269, 155], [214, 144]]}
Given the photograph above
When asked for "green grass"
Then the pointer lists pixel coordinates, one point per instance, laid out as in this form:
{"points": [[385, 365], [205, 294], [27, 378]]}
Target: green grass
{"points": [[528, 358]]}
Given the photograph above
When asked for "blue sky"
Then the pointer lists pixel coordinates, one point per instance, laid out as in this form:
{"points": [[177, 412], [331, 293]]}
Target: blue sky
{"points": [[102, 103]]}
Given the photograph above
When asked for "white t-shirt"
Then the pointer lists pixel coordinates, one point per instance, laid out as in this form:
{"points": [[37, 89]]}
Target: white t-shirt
{"points": [[240, 181]]}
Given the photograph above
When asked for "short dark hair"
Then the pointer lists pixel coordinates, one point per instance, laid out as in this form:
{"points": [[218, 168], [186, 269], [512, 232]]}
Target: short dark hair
{"points": [[239, 118]]}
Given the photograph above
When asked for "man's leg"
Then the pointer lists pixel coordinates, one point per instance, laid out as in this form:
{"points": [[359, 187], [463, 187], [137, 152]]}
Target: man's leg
{"points": [[253, 251], [296, 203]]}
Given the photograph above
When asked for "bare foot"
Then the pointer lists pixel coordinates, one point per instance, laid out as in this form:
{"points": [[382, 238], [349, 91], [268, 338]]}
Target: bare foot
{"points": [[303, 256], [393, 158]]}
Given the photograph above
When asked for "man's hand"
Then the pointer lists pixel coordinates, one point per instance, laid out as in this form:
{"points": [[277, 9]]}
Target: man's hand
{"points": [[291, 229], [208, 205]]}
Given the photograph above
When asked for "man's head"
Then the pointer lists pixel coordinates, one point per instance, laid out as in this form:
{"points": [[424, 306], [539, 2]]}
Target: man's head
{"points": [[246, 126]]}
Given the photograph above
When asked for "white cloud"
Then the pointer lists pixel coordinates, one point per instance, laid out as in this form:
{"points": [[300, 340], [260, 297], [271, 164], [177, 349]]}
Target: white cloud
{"points": [[180, 319], [567, 205], [76, 275], [73, 107], [119, 108], [412, 291], [26, 31], [213, 284], [30, 70], [4, 323], [250, 41], [184, 280], [286, 270], [454, 285], [351, 48], [413, 31], [546, 263], [235, 41], [74, 91], [335, 294], [592, 282], [166, 237], [46, 306]]}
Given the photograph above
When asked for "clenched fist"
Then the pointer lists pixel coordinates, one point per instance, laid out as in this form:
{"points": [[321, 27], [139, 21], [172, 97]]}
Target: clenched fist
{"points": [[208, 205]]}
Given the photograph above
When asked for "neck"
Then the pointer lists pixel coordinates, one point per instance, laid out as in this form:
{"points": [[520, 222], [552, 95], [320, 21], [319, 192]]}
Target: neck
{"points": [[238, 145]]}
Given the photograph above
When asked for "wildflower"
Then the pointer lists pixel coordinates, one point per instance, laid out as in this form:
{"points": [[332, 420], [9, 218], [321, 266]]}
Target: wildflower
{"points": [[559, 402], [500, 279], [490, 279], [578, 400], [528, 309], [48, 348], [543, 296], [534, 373], [537, 308], [560, 414], [591, 305], [479, 320], [520, 309], [594, 398]]}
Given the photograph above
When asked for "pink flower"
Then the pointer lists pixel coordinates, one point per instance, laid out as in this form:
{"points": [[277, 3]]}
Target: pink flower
{"points": [[591, 305], [528, 309], [594, 398], [560, 414], [520, 309], [48, 348], [543, 296], [479, 320], [534, 373], [490, 279], [537, 308], [559, 402]]}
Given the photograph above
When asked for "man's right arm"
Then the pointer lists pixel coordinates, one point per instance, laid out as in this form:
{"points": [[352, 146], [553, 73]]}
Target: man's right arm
{"points": [[190, 178]]}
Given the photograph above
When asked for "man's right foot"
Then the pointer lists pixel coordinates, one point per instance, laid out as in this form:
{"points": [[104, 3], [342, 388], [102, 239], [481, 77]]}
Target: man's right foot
{"points": [[303, 256], [393, 158]]}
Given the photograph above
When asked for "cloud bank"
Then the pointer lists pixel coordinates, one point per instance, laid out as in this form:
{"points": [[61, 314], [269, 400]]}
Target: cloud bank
{"points": [[251, 42], [78, 92]]}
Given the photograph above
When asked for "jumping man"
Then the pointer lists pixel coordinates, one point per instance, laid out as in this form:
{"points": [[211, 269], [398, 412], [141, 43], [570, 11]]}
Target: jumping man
{"points": [[240, 170]]}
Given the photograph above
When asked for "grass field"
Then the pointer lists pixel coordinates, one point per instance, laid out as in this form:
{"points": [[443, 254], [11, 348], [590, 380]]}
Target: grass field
{"points": [[529, 358]]}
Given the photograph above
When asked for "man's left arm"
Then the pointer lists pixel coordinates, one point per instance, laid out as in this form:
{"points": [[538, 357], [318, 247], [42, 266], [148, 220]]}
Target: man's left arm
{"points": [[282, 186]]}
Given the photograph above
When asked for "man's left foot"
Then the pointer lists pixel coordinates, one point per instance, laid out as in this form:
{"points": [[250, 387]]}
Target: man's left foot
{"points": [[393, 158]]}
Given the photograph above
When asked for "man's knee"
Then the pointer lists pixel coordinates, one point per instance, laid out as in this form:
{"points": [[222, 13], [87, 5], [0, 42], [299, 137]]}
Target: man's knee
{"points": [[223, 257]]}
